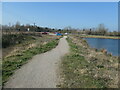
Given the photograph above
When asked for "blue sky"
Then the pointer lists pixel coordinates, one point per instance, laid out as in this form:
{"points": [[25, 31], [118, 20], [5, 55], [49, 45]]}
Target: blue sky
{"points": [[62, 14]]}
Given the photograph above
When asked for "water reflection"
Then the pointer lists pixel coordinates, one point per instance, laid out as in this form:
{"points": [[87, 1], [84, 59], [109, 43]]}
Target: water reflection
{"points": [[112, 45]]}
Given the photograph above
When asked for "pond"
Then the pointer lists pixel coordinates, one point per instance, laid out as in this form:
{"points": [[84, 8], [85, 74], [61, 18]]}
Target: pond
{"points": [[111, 45]]}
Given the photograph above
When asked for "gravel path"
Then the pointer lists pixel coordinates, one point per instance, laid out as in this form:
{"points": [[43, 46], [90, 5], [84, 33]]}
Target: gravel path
{"points": [[41, 71]]}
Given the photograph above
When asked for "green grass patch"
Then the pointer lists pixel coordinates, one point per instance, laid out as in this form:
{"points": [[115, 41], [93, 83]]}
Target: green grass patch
{"points": [[75, 70], [10, 64]]}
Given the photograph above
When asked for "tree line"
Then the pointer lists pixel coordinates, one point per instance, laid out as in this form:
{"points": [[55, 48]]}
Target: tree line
{"points": [[100, 30], [19, 28]]}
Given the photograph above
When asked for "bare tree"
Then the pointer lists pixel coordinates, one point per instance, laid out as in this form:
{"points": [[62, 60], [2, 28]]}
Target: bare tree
{"points": [[102, 30], [17, 25]]}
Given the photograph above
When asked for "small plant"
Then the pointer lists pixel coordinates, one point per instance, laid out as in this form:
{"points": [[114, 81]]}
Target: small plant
{"points": [[100, 66]]}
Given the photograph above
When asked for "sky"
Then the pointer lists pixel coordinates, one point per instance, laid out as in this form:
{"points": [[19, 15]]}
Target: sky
{"points": [[60, 0], [62, 14]]}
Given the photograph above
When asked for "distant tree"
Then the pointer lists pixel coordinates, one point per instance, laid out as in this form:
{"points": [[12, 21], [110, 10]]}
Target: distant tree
{"points": [[27, 25], [46, 28], [68, 28], [102, 30], [17, 25], [88, 31], [115, 33]]}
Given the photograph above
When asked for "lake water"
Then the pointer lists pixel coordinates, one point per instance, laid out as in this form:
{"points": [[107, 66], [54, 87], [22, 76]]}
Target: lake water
{"points": [[111, 45]]}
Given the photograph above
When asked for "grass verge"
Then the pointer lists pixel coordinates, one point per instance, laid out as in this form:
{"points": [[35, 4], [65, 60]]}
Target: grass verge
{"points": [[10, 64], [103, 37], [77, 71]]}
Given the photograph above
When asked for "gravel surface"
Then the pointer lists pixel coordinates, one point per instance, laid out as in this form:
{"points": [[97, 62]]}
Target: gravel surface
{"points": [[41, 71]]}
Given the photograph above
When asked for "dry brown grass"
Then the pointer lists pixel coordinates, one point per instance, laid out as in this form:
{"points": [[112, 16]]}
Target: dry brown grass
{"points": [[85, 67]]}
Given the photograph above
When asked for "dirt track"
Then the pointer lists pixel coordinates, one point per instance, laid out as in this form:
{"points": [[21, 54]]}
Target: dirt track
{"points": [[41, 71]]}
